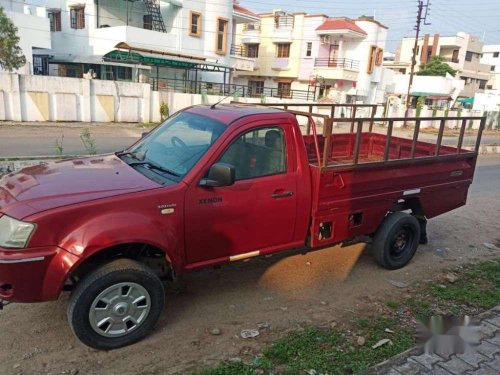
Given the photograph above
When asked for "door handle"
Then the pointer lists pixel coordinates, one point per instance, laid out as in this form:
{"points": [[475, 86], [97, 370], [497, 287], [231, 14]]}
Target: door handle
{"points": [[283, 194]]}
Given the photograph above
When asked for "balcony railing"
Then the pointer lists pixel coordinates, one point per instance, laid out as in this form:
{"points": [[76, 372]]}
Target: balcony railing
{"points": [[452, 60], [223, 89], [337, 63], [243, 51], [251, 27]]}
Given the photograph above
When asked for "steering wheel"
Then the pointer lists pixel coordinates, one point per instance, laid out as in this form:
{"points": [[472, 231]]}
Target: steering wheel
{"points": [[179, 144]]}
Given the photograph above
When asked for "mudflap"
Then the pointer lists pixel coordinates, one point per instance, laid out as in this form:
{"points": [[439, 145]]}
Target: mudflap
{"points": [[423, 230]]}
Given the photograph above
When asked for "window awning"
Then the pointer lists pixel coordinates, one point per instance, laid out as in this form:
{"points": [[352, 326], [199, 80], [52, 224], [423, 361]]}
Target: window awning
{"points": [[466, 100], [431, 95], [127, 53]]}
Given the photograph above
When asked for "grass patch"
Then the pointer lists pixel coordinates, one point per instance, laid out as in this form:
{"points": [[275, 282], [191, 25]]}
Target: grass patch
{"points": [[477, 287], [337, 351], [330, 350], [147, 125], [392, 305]]}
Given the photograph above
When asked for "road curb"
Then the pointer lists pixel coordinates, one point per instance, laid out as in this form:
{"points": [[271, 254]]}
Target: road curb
{"points": [[405, 361], [486, 149]]}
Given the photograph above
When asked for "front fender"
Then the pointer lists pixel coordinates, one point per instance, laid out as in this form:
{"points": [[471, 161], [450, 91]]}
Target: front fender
{"points": [[118, 228]]}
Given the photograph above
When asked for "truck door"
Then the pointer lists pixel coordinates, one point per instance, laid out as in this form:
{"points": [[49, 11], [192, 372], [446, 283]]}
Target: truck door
{"points": [[258, 211]]}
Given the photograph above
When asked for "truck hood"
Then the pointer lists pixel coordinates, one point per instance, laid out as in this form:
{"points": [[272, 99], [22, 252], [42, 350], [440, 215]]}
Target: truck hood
{"points": [[61, 183]]}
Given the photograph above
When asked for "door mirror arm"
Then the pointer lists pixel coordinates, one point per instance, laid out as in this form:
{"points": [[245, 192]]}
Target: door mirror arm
{"points": [[219, 175]]}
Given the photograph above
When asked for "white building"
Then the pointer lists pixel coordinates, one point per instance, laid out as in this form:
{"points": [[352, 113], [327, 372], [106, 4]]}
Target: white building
{"points": [[491, 57], [462, 52], [172, 43], [312, 55], [32, 29]]}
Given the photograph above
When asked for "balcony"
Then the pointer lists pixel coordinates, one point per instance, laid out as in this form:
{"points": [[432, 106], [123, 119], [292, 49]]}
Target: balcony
{"points": [[281, 63], [282, 35], [103, 40], [251, 33], [283, 28], [337, 63], [243, 58], [337, 68]]}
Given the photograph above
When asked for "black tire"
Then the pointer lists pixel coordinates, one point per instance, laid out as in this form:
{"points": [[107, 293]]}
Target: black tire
{"points": [[115, 277], [396, 240]]}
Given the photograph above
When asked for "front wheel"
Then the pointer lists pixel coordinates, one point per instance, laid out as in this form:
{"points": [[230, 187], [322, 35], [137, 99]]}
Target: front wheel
{"points": [[396, 240], [116, 305]]}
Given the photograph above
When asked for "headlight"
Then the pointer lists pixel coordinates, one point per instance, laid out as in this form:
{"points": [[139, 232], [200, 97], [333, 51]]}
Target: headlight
{"points": [[14, 233]]}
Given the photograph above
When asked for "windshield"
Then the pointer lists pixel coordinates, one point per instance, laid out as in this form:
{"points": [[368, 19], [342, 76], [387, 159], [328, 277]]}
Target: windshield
{"points": [[177, 145]]}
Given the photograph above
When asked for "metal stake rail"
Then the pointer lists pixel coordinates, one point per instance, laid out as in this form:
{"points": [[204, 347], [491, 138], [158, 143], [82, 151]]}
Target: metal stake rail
{"points": [[359, 122]]}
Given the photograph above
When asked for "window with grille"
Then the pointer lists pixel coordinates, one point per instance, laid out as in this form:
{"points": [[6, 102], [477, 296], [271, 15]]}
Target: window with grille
{"points": [[77, 17], [54, 16], [147, 22], [253, 50], [283, 50], [284, 89], [195, 24], [221, 42], [256, 88], [309, 49]]}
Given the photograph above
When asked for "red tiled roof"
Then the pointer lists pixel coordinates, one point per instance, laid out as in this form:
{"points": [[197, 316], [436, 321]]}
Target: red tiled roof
{"points": [[341, 24], [239, 9]]}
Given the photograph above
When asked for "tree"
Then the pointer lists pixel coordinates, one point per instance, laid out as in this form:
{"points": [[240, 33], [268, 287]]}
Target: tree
{"points": [[436, 67], [11, 55]]}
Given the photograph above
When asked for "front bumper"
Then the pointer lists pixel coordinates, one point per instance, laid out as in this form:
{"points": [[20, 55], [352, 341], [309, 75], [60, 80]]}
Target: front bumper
{"points": [[34, 274]]}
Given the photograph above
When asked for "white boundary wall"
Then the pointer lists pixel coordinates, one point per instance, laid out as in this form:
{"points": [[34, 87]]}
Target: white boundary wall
{"points": [[49, 98], [46, 98]]}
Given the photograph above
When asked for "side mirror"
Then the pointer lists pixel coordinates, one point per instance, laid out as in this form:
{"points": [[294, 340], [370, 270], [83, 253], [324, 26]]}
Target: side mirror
{"points": [[219, 174], [144, 134]]}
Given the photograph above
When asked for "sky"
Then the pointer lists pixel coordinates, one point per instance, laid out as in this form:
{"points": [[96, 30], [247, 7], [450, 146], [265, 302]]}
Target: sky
{"points": [[446, 17]]}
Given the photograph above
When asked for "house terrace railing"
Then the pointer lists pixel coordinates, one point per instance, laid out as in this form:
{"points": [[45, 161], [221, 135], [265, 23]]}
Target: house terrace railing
{"points": [[251, 27], [216, 88], [337, 63], [242, 50]]}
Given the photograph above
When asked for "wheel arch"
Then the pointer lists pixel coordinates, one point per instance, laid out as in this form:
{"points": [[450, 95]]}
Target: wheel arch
{"points": [[412, 204], [150, 255]]}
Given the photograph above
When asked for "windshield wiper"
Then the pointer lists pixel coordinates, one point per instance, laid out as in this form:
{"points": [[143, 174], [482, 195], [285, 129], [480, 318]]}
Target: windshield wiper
{"points": [[133, 155], [154, 166]]}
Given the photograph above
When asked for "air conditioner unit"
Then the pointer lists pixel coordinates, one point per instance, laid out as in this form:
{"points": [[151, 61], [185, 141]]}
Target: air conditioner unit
{"points": [[325, 39]]}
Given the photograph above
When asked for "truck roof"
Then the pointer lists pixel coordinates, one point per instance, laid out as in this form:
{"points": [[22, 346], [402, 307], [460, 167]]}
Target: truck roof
{"points": [[228, 113]]}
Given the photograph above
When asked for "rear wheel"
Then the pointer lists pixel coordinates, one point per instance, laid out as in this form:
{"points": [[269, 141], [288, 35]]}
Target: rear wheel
{"points": [[396, 240], [116, 305]]}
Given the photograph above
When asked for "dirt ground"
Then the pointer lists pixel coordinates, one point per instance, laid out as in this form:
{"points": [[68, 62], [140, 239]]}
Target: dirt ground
{"points": [[334, 284]]}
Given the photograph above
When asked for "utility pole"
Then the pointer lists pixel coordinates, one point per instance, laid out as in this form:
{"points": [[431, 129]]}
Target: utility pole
{"points": [[421, 16]]}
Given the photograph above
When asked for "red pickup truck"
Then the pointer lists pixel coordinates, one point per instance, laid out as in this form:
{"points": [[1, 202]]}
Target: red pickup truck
{"points": [[213, 185]]}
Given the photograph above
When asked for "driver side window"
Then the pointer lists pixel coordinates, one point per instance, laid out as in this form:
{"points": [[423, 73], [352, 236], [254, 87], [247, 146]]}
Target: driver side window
{"points": [[257, 153]]}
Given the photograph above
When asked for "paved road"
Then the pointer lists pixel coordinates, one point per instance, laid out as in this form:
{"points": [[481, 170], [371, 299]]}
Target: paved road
{"points": [[39, 139], [334, 284], [483, 359]]}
